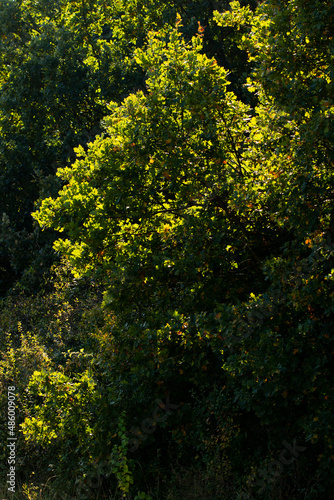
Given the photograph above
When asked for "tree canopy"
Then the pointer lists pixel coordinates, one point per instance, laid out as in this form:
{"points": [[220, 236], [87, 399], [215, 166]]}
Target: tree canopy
{"points": [[179, 158]]}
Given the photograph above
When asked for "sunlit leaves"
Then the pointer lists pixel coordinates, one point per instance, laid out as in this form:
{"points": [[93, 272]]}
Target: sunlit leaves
{"points": [[166, 156], [64, 409]]}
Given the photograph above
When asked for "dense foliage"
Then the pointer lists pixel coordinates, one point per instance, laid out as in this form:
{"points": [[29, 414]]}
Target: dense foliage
{"points": [[173, 163]]}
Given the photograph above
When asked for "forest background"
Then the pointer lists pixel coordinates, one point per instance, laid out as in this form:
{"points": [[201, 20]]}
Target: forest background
{"points": [[166, 258]]}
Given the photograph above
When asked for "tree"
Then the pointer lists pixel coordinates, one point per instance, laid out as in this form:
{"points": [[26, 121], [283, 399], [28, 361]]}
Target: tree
{"points": [[211, 220], [158, 184], [61, 63]]}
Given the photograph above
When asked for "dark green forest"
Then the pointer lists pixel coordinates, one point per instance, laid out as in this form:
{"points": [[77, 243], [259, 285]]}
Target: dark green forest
{"points": [[166, 249]]}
